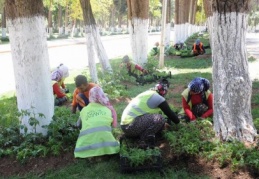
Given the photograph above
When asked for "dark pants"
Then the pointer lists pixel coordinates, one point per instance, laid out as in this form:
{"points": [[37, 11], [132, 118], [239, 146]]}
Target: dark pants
{"points": [[82, 101], [145, 125]]}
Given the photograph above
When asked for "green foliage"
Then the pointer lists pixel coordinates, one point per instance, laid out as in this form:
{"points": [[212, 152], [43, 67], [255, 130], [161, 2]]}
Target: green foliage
{"points": [[252, 158], [111, 83], [4, 39], [61, 137], [256, 123], [251, 59], [190, 139], [152, 65], [139, 157], [9, 112]]}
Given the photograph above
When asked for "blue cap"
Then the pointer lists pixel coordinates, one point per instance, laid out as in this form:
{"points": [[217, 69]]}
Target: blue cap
{"points": [[198, 41]]}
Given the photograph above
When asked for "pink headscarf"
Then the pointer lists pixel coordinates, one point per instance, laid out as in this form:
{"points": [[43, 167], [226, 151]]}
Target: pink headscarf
{"points": [[96, 95]]}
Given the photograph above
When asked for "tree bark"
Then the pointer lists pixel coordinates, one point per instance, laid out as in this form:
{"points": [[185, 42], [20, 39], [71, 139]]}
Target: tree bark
{"points": [[208, 13], [168, 24], [3, 23], [66, 18], [25, 20], [50, 18], [60, 24], [90, 26], [138, 28], [232, 86]]}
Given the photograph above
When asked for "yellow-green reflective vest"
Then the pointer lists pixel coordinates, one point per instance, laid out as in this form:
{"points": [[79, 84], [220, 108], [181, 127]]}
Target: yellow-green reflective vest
{"points": [[95, 138], [137, 107], [185, 94]]}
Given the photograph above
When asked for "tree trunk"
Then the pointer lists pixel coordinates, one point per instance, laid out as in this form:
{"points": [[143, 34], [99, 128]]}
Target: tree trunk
{"points": [[232, 86], [26, 23], [66, 18], [91, 28], [90, 53], [208, 13], [60, 28], [177, 29], [168, 24], [50, 19], [112, 24], [138, 28], [3, 23]]}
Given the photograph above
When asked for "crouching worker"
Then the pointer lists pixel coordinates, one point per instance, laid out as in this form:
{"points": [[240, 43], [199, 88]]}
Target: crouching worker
{"points": [[59, 95], [142, 117], [198, 48], [65, 74], [81, 93], [133, 69], [97, 119], [197, 100], [180, 45]]}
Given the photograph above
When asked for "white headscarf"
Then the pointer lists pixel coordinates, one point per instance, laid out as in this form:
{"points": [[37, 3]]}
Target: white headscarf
{"points": [[64, 70]]}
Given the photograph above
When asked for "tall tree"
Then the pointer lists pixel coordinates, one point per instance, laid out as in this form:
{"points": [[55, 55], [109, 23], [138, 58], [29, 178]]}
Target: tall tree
{"points": [[50, 17], [208, 13], [121, 7], [3, 23], [232, 86], [93, 38], [60, 21], [168, 24], [26, 23], [138, 28]]}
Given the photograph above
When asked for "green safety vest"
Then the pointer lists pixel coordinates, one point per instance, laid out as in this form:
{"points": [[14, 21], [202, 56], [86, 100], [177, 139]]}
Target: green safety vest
{"points": [[95, 138], [185, 94], [137, 107]]}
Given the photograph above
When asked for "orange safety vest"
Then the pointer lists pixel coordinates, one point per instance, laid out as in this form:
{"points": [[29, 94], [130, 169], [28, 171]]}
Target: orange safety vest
{"points": [[194, 47]]}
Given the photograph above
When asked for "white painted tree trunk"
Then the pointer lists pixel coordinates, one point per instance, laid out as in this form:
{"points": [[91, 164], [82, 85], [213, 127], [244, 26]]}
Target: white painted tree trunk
{"points": [[100, 50], [232, 86], [60, 30], [210, 29], [3, 32], [177, 33], [138, 29], [167, 34], [91, 54], [72, 31], [32, 70], [50, 31]]}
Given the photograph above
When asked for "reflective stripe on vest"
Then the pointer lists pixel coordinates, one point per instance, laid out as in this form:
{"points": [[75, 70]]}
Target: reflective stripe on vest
{"points": [[96, 136], [96, 129], [137, 107], [96, 146]]}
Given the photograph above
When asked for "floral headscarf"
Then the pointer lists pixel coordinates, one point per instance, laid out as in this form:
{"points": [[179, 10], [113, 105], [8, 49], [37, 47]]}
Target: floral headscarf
{"points": [[199, 85], [56, 75], [196, 85], [96, 95]]}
